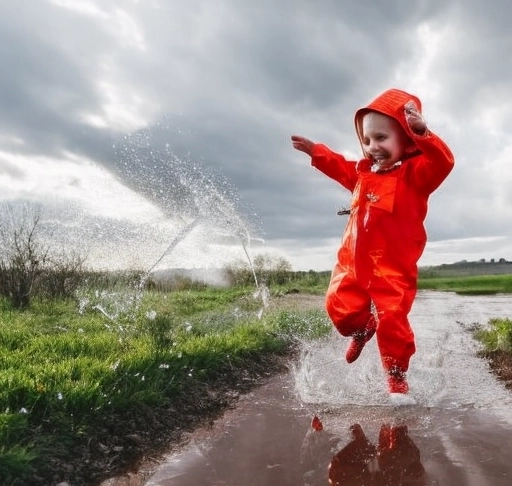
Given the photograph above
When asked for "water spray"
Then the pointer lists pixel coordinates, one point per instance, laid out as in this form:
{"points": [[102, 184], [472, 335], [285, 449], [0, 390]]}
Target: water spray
{"points": [[181, 187], [180, 236]]}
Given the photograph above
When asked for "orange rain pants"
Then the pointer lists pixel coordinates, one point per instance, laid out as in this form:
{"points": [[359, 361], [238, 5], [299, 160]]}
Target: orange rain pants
{"points": [[375, 276]]}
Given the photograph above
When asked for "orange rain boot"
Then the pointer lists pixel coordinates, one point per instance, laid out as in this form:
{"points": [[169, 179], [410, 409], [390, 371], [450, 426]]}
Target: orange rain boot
{"points": [[396, 381], [359, 340]]}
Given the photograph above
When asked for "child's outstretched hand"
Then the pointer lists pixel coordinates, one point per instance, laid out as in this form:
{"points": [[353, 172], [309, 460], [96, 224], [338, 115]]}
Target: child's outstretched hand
{"points": [[302, 144], [414, 118]]}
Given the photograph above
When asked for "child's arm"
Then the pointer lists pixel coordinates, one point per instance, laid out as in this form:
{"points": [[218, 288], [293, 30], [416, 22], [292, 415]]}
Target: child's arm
{"points": [[438, 159], [303, 144], [332, 164]]}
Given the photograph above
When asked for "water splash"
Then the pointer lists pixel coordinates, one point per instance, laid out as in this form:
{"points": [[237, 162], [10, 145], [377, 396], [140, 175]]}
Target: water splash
{"points": [[179, 237], [445, 372], [181, 186], [119, 303], [191, 198]]}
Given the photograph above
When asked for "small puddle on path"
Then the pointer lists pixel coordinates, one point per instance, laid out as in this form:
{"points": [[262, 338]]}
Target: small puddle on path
{"points": [[458, 433], [267, 441]]}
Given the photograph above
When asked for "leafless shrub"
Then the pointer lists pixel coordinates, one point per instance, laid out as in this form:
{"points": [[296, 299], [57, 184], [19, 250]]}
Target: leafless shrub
{"points": [[29, 265], [62, 275]]}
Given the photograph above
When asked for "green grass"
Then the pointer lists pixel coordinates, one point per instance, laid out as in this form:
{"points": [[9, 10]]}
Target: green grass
{"points": [[457, 281], [66, 368], [483, 284], [497, 335]]}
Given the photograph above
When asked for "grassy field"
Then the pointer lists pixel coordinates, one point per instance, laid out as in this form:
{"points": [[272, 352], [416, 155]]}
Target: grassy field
{"points": [[496, 335], [79, 378], [88, 385], [450, 278], [473, 284]]}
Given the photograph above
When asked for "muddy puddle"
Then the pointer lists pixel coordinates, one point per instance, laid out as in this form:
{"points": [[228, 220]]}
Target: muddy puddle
{"points": [[458, 432]]}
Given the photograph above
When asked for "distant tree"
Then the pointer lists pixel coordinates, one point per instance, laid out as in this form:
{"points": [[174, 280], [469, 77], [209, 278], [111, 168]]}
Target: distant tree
{"points": [[264, 268], [272, 269], [239, 273]]}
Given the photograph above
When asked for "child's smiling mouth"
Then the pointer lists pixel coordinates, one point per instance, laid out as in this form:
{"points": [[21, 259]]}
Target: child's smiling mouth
{"points": [[380, 158]]}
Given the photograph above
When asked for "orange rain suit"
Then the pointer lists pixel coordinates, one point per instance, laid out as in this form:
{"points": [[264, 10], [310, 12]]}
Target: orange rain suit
{"points": [[385, 235]]}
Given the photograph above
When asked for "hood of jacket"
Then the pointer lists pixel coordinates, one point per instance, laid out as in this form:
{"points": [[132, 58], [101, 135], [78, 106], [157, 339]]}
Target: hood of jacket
{"points": [[391, 103]]}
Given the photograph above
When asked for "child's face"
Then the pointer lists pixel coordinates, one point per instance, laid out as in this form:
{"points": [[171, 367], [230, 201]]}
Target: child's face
{"points": [[384, 140]]}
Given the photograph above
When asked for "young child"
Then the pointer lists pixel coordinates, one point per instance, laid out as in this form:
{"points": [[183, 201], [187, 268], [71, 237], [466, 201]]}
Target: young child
{"points": [[374, 281]]}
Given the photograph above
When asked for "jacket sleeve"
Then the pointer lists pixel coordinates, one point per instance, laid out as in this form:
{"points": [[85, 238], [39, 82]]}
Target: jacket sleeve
{"points": [[334, 165], [435, 165]]}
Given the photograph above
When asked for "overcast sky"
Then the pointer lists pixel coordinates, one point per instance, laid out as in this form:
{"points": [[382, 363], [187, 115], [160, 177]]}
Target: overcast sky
{"points": [[128, 119]]}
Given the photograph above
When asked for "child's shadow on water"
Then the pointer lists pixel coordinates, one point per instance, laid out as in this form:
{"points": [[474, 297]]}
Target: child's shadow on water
{"points": [[395, 460]]}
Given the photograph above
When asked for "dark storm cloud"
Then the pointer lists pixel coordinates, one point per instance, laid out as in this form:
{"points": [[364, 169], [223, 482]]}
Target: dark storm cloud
{"points": [[224, 84], [274, 58], [45, 87]]}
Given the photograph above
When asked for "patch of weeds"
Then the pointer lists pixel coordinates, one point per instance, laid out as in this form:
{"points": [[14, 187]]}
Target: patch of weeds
{"points": [[497, 336]]}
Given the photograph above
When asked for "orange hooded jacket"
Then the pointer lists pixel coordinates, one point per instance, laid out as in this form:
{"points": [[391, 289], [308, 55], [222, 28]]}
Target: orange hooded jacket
{"points": [[385, 234]]}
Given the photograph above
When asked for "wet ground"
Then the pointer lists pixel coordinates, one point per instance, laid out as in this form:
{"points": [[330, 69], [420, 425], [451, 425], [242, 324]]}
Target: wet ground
{"points": [[459, 431]]}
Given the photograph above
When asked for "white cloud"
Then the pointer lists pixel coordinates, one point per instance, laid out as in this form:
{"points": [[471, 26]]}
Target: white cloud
{"points": [[123, 108], [75, 179], [82, 7]]}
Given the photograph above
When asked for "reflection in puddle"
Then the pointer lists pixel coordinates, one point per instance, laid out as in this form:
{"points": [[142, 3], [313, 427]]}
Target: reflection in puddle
{"points": [[458, 433], [394, 460]]}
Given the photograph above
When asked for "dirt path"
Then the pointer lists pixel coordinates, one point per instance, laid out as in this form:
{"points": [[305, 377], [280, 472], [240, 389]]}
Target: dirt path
{"points": [[370, 421]]}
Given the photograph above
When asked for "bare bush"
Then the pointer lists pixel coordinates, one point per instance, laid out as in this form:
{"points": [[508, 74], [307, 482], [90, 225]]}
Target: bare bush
{"points": [[29, 265], [61, 276], [22, 255]]}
